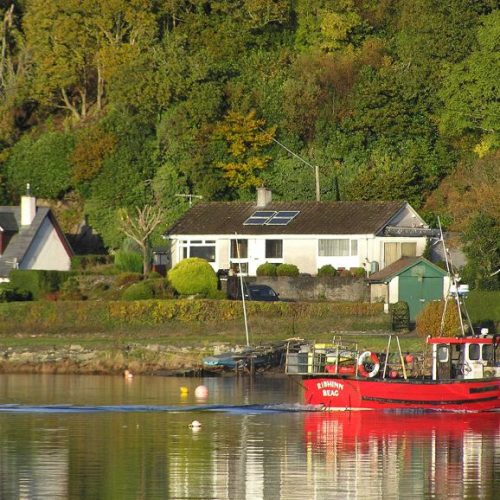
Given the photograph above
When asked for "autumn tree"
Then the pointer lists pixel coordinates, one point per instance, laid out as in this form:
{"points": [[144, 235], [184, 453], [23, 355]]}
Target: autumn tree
{"points": [[77, 46], [245, 139]]}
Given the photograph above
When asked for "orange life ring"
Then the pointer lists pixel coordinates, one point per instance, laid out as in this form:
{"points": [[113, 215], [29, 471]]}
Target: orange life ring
{"points": [[370, 358]]}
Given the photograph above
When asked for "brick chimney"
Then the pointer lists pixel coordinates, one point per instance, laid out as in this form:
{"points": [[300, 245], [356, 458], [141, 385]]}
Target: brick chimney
{"points": [[28, 207], [264, 197]]}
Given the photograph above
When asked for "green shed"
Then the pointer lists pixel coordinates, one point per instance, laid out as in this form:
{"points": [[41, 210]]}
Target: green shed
{"points": [[414, 280]]}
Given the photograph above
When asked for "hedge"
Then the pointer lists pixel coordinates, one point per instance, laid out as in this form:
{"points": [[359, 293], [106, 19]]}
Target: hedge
{"points": [[97, 315], [38, 282]]}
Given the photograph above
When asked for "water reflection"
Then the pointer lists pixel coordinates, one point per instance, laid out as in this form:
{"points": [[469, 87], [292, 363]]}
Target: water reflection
{"points": [[444, 455], [242, 453]]}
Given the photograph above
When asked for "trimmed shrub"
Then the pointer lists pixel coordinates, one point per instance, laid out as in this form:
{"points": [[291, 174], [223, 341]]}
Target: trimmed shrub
{"points": [[429, 320], [327, 271], [267, 269], [8, 293], [287, 270], [400, 316], [138, 291], [193, 276], [128, 261], [38, 282]]}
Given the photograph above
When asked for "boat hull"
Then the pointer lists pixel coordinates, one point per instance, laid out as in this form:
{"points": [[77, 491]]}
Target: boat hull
{"points": [[336, 393]]}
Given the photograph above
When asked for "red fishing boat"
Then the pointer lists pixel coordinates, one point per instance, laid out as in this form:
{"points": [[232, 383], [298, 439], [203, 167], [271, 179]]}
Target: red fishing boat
{"points": [[464, 371], [464, 376]]}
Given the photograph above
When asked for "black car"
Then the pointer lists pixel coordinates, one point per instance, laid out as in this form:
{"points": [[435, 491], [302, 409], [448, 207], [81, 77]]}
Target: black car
{"points": [[260, 292]]}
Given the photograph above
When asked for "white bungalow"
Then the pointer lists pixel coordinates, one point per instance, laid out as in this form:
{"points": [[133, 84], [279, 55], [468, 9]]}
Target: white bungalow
{"points": [[244, 235]]}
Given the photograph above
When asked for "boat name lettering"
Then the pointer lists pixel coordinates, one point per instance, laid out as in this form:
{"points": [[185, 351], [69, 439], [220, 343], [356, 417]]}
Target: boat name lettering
{"points": [[330, 392], [330, 384]]}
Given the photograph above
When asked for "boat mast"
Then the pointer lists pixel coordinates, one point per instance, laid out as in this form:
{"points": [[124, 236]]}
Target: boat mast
{"points": [[242, 290], [452, 285]]}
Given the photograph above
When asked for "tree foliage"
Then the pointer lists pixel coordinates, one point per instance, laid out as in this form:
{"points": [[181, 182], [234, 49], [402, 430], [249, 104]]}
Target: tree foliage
{"points": [[132, 102]]}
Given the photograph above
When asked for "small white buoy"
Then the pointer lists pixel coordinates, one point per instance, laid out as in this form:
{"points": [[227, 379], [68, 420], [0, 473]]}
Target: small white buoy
{"points": [[201, 391], [128, 375], [195, 424]]}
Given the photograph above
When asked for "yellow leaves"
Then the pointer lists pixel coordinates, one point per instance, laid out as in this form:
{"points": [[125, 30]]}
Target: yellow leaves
{"points": [[487, 143], [336, 27], [245, 137]]}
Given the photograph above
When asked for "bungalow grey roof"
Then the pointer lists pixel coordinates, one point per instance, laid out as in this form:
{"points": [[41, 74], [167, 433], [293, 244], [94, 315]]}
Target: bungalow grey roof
{"points": [[327, 217], [21, 241]]}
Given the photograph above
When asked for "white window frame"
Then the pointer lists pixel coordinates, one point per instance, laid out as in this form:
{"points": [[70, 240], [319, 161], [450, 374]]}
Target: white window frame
{"points": [[351, 247], [187, 245]]}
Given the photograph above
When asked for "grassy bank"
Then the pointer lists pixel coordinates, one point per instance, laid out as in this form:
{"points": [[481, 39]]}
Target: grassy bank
{"points": [[159, 336]]}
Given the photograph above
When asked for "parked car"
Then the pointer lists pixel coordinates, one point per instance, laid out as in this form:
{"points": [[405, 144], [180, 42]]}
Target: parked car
{"points": [[255, 291]]}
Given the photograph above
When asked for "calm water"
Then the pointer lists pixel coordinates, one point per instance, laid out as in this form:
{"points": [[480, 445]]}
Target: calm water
{"points": [[100, 437]]}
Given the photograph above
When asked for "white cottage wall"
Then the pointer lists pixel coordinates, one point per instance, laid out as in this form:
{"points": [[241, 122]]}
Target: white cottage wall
{"points": [[47, 251]]}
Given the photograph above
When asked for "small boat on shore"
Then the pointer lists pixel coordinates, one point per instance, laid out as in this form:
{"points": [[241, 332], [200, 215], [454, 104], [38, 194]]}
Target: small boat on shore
{"points": [[464, 376], [247, 359]]}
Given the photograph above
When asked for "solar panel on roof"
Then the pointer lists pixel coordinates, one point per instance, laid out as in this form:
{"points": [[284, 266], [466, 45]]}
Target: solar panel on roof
{"points": [[282, 218], [259, 218]]}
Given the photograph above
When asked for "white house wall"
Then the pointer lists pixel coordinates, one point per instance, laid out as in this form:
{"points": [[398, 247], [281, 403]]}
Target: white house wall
{"points": [[407, 217], [299, 250], [46, 251]]}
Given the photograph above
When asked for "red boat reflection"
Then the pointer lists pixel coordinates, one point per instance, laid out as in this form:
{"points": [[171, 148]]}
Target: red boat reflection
{"points": [[348, 427]]}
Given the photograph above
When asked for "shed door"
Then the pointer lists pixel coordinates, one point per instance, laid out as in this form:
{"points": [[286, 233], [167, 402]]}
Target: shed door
{"points": [[418, 290]]}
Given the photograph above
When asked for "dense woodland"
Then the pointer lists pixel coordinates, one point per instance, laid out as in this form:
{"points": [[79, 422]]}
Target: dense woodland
{"points": [[110, 105]]}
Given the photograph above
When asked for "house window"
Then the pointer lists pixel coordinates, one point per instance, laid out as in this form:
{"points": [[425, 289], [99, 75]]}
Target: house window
{"points": [[394, 251], [337, 248], [274, 249], [239, 249], [204, 249]]}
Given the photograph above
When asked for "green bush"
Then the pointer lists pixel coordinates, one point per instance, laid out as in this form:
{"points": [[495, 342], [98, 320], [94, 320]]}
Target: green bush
{"points": [[429, 320], [70, 290], [483, 306], [128, 261], [161, 288], [138, 291], [326, 271], [38, 282], [400, 316], [85, 262], [193, 276], [8, 293], [287, 270], [357, 272], [267, 269]]}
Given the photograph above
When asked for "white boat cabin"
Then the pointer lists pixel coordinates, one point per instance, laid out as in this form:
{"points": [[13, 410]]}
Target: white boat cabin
{"points": [[465, 357]]}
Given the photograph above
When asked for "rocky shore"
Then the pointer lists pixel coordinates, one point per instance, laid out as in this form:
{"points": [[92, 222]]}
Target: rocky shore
{"points": [[145, 359]]}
